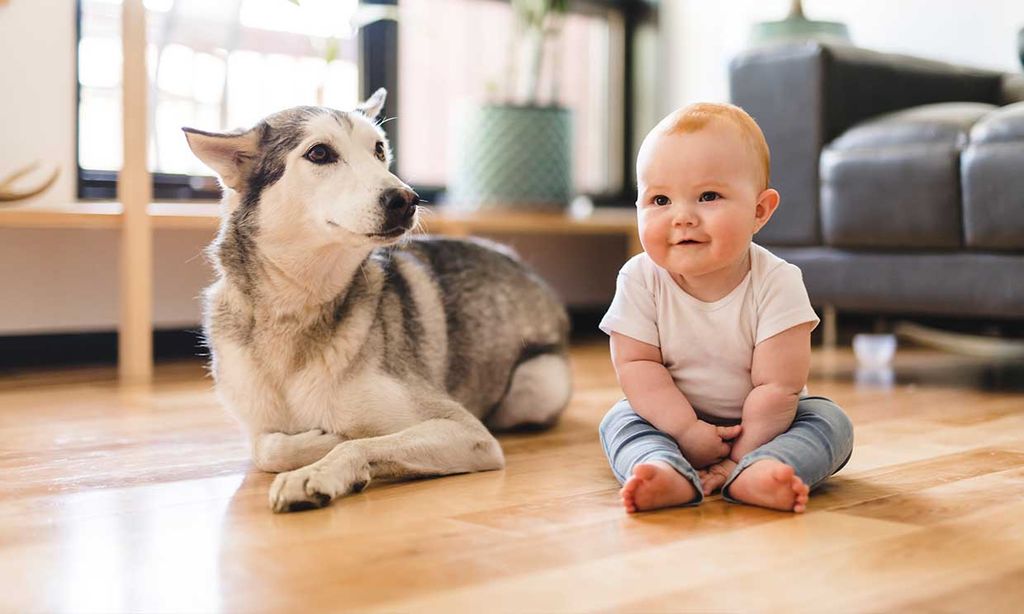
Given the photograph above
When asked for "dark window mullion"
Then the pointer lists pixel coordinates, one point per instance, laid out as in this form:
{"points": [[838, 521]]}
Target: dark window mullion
{"points": [[378, 67]]}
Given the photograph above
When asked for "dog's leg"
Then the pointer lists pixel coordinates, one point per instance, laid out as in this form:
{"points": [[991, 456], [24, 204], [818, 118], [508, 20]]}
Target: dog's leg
{"points": [[277, 452], [539, 391], [451, 442]]}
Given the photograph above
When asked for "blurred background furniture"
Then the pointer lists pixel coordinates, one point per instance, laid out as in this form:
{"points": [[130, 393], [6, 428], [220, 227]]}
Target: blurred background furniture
{"points": [[902, 179]]}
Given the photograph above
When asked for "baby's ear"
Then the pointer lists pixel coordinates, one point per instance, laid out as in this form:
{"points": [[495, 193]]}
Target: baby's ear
{"points": [[767, 203]]}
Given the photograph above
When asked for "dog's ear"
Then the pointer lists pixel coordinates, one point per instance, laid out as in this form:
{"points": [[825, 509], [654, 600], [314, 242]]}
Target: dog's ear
{"points": [[229, 154], [374, 104]]}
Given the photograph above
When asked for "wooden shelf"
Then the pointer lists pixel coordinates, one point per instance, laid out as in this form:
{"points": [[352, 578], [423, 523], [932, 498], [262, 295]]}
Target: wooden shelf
{"points": [[84, 215], [107, 215], [205, 215]]}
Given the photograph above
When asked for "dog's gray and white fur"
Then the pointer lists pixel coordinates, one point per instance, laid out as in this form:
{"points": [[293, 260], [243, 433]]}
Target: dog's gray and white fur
{"points": [[349, 351]]}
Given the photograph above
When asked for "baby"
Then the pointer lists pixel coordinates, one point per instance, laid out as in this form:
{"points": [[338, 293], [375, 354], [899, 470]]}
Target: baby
{"points": [[711, 333]]}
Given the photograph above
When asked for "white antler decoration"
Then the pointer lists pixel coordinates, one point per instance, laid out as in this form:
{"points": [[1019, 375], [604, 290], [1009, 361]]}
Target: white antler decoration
{"points": [[7, 192]]}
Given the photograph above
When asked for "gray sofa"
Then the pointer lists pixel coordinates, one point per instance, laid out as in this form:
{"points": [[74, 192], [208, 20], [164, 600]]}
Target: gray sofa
{"points": [[902, 179]]}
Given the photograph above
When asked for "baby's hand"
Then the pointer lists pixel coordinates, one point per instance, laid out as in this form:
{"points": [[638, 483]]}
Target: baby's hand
{"points": [[704, 444], [714, 477]]}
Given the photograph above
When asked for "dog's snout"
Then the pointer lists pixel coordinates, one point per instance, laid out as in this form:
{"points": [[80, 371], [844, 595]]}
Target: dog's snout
{"points": [[399, 206], [399, 199]]}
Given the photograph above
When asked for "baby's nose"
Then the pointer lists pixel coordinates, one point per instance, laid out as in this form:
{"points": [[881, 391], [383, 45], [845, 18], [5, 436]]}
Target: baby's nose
{"points": [[686, 216]]}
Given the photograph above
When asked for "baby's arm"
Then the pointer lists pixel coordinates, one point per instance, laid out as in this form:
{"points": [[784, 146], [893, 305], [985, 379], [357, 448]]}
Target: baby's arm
{"points": [[655, 397], [778, 372]]}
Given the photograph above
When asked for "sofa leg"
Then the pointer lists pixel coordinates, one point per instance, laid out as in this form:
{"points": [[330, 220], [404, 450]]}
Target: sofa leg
{"points": [[830, 327]]}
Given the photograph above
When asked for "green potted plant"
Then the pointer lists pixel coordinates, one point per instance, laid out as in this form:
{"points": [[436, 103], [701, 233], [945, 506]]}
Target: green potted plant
{"points": [[517, 153], [332, 20]]}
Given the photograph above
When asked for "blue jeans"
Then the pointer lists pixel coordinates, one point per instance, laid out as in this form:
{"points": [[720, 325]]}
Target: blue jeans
{"points": [[817, 444]]}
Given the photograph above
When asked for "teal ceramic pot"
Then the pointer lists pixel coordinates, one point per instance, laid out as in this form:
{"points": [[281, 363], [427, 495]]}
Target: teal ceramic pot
{"points": [[516, 157], [797, 29]]}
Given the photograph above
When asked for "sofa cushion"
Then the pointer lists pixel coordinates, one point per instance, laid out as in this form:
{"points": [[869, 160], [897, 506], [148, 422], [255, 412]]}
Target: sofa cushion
{"points": [[962, 283], [992, 173], [894, 180]]}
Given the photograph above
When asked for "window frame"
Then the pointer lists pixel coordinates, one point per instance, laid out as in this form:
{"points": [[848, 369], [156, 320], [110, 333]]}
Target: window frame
{"points": [[378, 64]]}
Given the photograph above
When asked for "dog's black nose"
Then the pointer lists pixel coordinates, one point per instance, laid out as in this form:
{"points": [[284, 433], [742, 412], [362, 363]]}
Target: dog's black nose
{"points": [[399, 204]]}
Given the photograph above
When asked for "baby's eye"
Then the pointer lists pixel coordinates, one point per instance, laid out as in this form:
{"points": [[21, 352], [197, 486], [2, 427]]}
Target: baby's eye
{"points": [[661, 200], [709, 196]]}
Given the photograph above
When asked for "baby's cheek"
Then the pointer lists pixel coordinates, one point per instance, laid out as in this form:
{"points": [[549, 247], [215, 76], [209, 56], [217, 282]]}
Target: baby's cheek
{"points": [[649, 233], [654, 244], [725, 231]]}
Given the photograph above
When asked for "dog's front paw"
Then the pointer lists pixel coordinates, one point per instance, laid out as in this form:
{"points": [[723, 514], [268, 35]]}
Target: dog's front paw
{"points": [[317, 485], [288, 492]]}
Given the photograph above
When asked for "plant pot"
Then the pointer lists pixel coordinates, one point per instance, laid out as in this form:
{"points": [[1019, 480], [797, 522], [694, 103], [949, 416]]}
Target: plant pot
{"points": [[513, 157]]}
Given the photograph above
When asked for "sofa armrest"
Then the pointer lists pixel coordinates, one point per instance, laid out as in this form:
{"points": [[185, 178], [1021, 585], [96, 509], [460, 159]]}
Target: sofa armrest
{"points": [[1013, 88], [803, 95]]}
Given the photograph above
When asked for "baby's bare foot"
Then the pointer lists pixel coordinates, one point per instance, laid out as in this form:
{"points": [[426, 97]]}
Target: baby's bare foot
{"points": [[714, 477], [653, 485], [772, 484]]}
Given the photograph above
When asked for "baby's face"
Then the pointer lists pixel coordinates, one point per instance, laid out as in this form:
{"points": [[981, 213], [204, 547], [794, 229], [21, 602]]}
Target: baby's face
{"points": [[698, 199]]}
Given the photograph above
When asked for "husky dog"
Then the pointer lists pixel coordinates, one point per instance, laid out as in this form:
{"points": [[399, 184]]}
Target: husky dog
{"points": [[348, 350]]}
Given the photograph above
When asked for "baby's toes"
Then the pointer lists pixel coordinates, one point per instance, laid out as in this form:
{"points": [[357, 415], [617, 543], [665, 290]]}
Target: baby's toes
{"points": [[799, 488], [629, 487], [713, 482], [801, 492], [628, 495], [800, 504]]}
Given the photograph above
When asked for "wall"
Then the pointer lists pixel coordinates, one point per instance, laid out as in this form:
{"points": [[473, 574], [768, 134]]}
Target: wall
{"points": [[37, 109], [705, 35], [66, 280]]}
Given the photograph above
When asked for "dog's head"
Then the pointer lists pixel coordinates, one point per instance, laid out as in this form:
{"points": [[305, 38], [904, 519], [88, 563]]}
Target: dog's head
{"points": [[314, 174]]}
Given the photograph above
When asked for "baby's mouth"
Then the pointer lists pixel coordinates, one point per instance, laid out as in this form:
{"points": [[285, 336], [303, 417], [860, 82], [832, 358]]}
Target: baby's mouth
{"points": [[689, 242]]}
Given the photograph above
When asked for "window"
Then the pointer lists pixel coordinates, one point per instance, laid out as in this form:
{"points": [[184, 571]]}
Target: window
{"points": [[453, 53], [226, 64], [213, 66]]}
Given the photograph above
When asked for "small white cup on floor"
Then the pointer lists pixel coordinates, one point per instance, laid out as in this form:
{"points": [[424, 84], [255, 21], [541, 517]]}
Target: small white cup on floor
{"points": [[874, 351]]}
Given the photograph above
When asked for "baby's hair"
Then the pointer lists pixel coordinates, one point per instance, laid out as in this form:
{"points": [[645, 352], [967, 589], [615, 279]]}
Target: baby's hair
{"points": [[692, 118]]}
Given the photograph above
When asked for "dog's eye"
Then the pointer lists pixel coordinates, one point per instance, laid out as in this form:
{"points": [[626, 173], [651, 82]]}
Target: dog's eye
{"points": [[321, 154], [379, 151]]}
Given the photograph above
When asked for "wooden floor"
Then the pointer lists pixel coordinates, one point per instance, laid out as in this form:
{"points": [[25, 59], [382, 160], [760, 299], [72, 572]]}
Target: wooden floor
{"points": [[144, 500]]}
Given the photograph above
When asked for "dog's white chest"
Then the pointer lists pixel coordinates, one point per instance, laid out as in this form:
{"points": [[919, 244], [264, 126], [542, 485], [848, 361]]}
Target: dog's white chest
{"points": [[366, 404], [269, 397]]}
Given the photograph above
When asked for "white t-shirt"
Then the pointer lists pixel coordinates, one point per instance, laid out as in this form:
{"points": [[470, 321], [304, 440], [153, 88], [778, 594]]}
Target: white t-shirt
{"points": [[708, 347]]}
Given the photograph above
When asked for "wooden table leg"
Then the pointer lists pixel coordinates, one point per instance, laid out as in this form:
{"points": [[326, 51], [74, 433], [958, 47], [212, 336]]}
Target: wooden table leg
{"points": [[134, 187]]}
